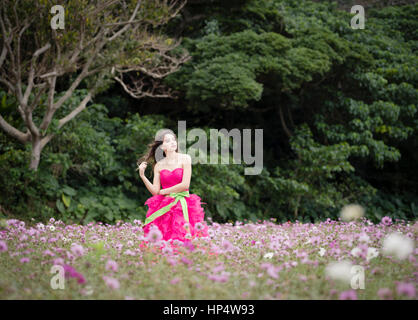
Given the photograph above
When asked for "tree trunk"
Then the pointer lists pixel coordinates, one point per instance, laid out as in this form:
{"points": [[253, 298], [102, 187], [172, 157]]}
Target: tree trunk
{"points": [[36, 153]]}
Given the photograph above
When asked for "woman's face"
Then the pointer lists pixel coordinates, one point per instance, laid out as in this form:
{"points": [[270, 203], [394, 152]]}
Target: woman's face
{"points": [[169, 143]]}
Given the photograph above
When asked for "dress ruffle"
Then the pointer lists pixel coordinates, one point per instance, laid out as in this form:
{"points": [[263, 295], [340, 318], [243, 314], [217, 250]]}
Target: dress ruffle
{"points": [[171, 223]]}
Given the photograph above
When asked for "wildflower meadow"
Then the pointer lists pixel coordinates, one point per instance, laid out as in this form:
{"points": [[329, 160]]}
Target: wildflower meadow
{"points": [[333, 259]]}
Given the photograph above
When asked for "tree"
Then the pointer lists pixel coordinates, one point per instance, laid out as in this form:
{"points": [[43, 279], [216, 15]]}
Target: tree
{"points": [[101, 41]]}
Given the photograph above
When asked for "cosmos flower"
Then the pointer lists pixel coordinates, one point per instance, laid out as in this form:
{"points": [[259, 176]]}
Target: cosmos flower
{"points": [[71, 272], [223, 277], [364, 238], [24, 260], [269, 255], [199, 226], [387, 221], [407, 289], [226, 245], [273, 271], [348, 295], [167, 250], [384, 293], [111, 282], [371, 253], [3, 246], [77, 249], [154, 235], [111, 265]]}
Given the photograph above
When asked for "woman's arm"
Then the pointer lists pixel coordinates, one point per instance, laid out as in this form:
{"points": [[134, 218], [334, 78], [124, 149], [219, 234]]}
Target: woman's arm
{"points": [[185, 183], [155, 187]]}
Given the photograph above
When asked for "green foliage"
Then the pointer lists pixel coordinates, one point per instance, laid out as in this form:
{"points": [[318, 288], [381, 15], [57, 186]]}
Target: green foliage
{"points": [[349, 100], [354, 89]]}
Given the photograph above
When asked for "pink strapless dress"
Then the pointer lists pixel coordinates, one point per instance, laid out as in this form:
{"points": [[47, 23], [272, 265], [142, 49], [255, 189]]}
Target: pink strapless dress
{"points": [[171, 223]]}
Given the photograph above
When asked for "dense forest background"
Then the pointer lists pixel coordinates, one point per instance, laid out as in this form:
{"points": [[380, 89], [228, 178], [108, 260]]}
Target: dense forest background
{"points": [[337, 107]]}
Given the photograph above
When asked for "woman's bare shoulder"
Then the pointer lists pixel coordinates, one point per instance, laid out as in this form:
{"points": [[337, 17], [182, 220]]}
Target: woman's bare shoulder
{"points": [[158, 164]]}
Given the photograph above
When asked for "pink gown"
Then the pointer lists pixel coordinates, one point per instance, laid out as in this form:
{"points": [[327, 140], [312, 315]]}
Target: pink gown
{"points": [[171, 223]]}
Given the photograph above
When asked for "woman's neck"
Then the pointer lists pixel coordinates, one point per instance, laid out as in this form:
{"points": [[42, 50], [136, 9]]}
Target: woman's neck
{"points": [[171, 157]]}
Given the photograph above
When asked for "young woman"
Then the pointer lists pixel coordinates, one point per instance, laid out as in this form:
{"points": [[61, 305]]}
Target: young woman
{"points": [[177, 213]]}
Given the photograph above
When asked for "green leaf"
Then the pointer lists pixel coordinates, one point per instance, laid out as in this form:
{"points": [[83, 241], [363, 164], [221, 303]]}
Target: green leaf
{"points": [[66, 200], [60, 206], [69, 191]]}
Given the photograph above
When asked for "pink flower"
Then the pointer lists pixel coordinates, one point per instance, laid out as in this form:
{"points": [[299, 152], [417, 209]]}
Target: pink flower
{"points": [[226, 245], [384, 293], [72, 273], [3, 246], [111, 282], [175, 280], [154, 235], [273, 272], [111, 265], [186, 261], [408, 289], [199, 226], [189, 245], [218, 268], [77, 250], [166, 250], [387, 221], [48, 253], [172, 261], [24, 260], [302, 277], [348, 295], [58, 261], [219, 278]]}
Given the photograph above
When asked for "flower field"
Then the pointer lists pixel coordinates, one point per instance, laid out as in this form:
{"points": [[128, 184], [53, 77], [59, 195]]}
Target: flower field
{"points": [[264, 260]]}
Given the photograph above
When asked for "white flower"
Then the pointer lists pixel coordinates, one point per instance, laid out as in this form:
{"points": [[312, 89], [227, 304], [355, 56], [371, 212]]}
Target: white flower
{"points": [[52, 228], [351, 212], [322, 252], [398, 245], [340, 271], [356, 251], [364, 238], [269, 255], [372, 253]]}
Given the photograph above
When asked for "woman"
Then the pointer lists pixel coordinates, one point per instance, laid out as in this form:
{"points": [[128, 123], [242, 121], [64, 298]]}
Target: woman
{"points": [[177, 213]]}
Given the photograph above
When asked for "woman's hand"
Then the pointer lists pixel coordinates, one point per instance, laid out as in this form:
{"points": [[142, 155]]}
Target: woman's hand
{"points": [[162, 192], [141, 168]]}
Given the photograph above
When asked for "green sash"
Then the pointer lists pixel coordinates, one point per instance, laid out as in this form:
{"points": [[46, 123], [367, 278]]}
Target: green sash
{"points": [[178, 196]]}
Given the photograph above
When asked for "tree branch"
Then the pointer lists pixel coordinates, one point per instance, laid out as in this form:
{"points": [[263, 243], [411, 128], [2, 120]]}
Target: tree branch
{"points": [[12, 131]]}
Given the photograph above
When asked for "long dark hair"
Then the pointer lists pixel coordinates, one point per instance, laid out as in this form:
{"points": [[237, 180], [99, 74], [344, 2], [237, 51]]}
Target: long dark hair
{"points": [[149, 155]]}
